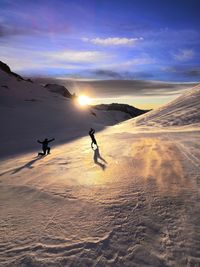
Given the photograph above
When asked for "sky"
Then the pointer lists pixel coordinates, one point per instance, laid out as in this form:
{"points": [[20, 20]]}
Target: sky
{"points": [[102, 40]]}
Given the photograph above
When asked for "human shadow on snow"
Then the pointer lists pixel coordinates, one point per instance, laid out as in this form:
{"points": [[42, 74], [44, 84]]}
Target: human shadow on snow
{"points": [[101, 162], [28, 165]]}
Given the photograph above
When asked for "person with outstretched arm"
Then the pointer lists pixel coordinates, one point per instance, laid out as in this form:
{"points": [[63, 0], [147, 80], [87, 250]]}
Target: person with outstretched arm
{"points": [[45, 146], [91, 134]]}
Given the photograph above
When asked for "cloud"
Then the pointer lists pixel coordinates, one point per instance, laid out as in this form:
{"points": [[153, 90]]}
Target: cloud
{"points": [[7, 30], [37, 61], [107, 74], [188, 72], [55, 62], [195, 72], [136, 88], [138, 61], [124, 65], [113, 41], [79, 56], [32, 29], [126, 88], [124, 75], [184, 55]]}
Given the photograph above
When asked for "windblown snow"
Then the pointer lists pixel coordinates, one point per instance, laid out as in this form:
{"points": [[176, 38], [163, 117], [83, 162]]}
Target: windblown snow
{"points": [[182, 111], [134, 201]]}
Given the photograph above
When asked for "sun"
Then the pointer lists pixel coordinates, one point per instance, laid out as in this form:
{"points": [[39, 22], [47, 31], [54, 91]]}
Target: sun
{"points": [[84, 100]]}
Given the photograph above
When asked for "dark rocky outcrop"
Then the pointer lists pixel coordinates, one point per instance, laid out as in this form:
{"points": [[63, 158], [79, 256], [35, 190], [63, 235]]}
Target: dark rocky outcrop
{"points": [[4, 67], [132, 111], [59, 89]]}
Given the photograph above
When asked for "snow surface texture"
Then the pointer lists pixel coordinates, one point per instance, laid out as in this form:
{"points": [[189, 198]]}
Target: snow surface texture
{"points": [[134, 201], [138, 205], [185, 110]]}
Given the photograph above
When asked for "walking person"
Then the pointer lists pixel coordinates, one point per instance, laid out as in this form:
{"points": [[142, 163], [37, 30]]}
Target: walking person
{"points": [[91, 134]]}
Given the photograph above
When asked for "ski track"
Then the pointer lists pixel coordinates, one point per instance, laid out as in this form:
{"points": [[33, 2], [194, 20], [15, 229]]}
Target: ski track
{"points": [[142, 210], [191, 157]]}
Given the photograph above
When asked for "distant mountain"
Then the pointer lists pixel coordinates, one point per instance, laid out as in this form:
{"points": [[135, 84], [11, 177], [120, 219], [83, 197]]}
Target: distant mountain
{"points": [[4, 67], [184, 110], [59, 89], [130, 110]]}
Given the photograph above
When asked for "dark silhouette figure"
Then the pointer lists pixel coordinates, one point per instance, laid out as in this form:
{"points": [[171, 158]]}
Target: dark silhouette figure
{"points": [[45, 146], [98, 157], [91, 134]]}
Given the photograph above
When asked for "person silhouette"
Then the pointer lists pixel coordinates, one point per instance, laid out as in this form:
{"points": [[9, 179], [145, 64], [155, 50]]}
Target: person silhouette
{"points": [[45, 146], [91, 134]]}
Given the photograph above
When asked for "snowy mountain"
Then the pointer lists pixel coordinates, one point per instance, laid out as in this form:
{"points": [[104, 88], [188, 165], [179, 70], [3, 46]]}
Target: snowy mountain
{"points": [[184, 110], [4, 67], [56, 88], [30, 111]]}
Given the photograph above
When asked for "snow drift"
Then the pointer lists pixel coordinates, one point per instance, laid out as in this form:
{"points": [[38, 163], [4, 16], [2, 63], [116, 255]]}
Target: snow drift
{"points": [[184, 110]]}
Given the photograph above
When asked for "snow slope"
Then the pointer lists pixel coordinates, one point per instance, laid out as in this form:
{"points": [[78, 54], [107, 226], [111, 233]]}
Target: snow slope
{"points": [[29, 112], [134, 201], [184, 110]]}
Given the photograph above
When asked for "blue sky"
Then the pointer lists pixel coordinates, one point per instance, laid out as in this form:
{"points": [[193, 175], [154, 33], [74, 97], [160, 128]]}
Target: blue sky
{"points": [[153, 40]]}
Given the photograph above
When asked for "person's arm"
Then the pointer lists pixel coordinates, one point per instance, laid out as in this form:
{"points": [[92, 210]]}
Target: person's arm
{"points": [[39, 141], [93, 132], [51, 140]]}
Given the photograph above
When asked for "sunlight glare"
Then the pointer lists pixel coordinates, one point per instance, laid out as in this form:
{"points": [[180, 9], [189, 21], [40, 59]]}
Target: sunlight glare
{"points": [[84, 100]]}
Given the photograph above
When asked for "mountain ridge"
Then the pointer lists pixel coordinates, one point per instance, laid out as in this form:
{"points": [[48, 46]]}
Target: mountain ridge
{"points": [[182, 111]]}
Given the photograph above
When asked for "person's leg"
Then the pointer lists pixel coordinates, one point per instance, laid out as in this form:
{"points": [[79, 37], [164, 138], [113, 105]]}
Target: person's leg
{"points": [[95, 142], [42, 153], [48, 150]]}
